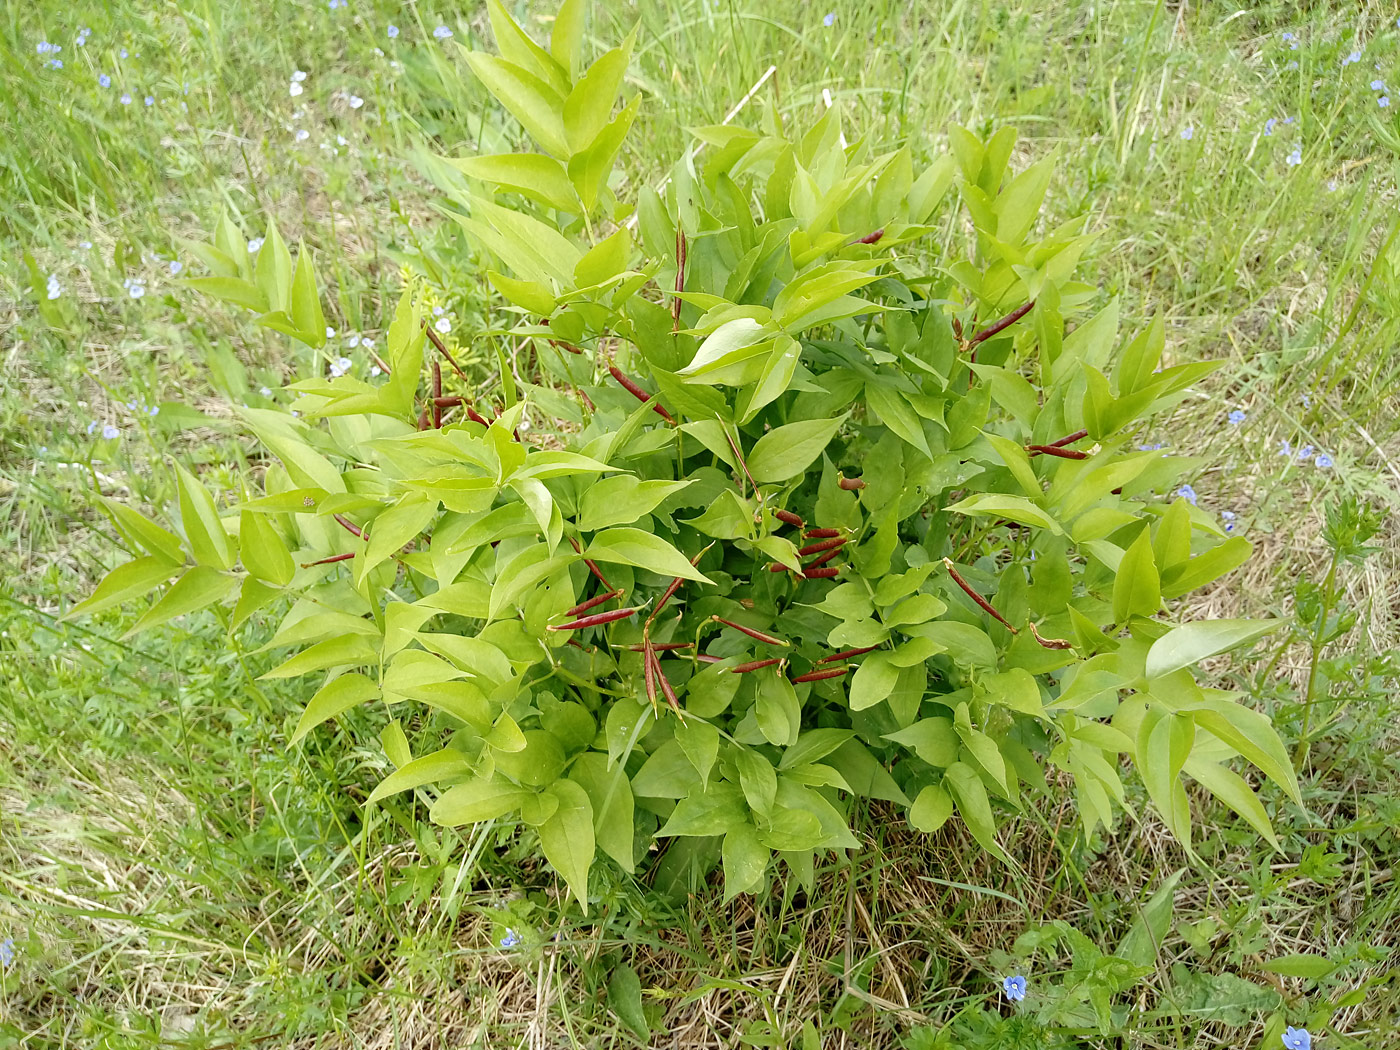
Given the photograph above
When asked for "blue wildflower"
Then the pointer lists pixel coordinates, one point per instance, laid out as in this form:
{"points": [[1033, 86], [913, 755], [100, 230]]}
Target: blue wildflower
{"points": [[1153, 447], [443, 325], [104, 80], [1288, 36], [1297, 1038], [442, 33], [91, 427], [393, 32], [829, 19], [135, 287], [54, 63], [125, 100], [1383, 101], [1014, 987], [1269, 125], [1228, 517], [122, 53], [1378, 85], [43, 47], [1305, 453], [54, 288], [1296, 157], [7, 952], [1324, 461], [109, 432], [1236, 417], [340, 366], [175, 267], [265, 391], [150, 100], [511, 938], [1187, 493], [1285, 448], [254, 244], [1188, 132], [153, 411], [1291, 66], [1355, 56]]}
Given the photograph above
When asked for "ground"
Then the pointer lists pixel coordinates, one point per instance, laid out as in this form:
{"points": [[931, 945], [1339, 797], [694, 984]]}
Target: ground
{"points": [[171, 873]]}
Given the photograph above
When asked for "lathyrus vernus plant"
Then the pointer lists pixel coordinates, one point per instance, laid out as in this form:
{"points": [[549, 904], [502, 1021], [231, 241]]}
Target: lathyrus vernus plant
{"points": [[811, 507]]}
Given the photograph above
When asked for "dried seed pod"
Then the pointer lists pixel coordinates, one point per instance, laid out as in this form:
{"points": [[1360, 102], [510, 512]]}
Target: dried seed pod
{"points": [[596, 620], [767, 639], [818, 676], [754, 665]]}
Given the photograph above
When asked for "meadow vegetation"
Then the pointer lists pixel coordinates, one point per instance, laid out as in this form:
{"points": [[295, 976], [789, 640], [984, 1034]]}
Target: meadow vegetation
{"points": [[173, 873]]}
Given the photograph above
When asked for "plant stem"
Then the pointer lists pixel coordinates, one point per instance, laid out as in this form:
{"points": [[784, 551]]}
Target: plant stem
{"points": [[1328, 597]]}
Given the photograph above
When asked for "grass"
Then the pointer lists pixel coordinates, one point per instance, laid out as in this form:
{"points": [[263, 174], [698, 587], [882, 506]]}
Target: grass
{"points": [[172, 875]]}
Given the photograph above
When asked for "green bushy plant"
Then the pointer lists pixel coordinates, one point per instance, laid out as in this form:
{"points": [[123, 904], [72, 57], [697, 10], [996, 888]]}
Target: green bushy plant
{"points": [[777, 513]]}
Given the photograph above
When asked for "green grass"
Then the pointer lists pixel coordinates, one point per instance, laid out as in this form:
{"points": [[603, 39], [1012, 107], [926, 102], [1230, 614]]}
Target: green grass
{"points": [[173, 875]]}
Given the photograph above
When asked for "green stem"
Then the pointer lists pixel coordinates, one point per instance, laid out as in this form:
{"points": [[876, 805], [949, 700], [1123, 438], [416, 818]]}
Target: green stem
{"points": [[1328, 597]]}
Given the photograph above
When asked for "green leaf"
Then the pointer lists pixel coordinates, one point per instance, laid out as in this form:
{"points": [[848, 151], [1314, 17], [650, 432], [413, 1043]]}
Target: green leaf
{"points": [[566, 38], [334, 698], [526, 97], [203, 529], [931, 809], [785, 452], [306, 302], [233, 290], [392, 529], [141, 531], [625, 994], [711, 812], [933, 739], [1206, 567], [274, 270], [532, 175], [1144, 939], [758, 779], [199, 587], [807, 293], [974, 807], [477, 800], [610, 793], [1014, 508], [745, 860], [123, 583], [873, 681], [777, 710], [622, 499], [590, 103], [440, 765], [262, 550], [897, 414], [1252, 735], [344, 651], [645, 551], [590, 170], [1137, 589], [1231, 789], [700, 742], [1315, 967], [731, 342], [1189, 644]]}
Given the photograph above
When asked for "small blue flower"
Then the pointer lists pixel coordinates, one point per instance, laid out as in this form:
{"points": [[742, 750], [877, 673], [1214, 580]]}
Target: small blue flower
{"points": [[175, 267], [135, 287], [1324, 461], [54, 288], [109, 432], [443, 325], [511, 938], [442, 33], [265, 391], [1188, 132], [1355, 56], [254, 245], [1383, 102], [393, 32], [54, 63], [7, 951], [125, 100], [1378, 85], [1187, 493], [1228, 517], [1305, 453], [1297, 1039], [1289, 36], [153, 411], [1284, 448], [104, 80], [829, 19], [122, 53], [1153, 447], [1269, 125], [1236, 417], [1295, 158], [43, 47], [150, 100], [1291, 66], [340, 366], [1014, 987]]}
